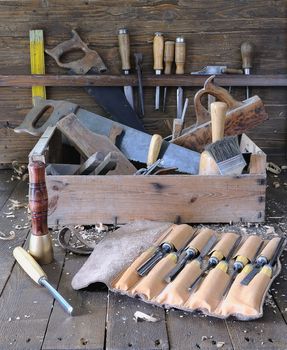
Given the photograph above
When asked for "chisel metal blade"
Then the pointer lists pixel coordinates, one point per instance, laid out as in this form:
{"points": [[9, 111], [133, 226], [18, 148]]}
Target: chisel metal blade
{"points": [[179, 102], [128, 90]]}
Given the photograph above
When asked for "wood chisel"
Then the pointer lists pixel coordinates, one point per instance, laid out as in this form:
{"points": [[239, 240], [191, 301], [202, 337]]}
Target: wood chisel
{"points": [[247, 55], [263, 260], [33, 269], [168, 60], [158, 46], [138, 64], [178, 124], [124, 46], [180, 52]]}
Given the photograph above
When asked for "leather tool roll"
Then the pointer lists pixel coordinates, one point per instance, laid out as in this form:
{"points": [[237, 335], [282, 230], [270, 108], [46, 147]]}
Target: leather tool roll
{"points": [[270, 248], [201, 239]]}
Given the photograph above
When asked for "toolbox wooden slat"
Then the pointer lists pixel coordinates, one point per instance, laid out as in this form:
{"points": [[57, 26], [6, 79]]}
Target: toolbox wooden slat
{"points": [[188, 198]]}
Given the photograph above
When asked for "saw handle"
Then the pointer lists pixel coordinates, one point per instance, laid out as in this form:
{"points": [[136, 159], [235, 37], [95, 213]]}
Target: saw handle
{"points": [[124, 46], [29, 264], [218, 115], [158, 45], [202, 114], [247, 55], [180, 53], [168, 56], [154, 149]]}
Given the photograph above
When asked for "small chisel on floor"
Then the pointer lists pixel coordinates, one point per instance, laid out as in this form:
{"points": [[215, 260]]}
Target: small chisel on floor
{"points": [[180, 51], [247, 55], [34, 270], [168, 60], [158, 44], [124, 45]]}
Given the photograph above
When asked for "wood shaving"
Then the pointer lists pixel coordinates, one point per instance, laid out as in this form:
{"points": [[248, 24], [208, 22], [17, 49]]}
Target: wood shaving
{"points": [[4, 237], [16, 204], [220, 344], [141, 316], [276, 184]]}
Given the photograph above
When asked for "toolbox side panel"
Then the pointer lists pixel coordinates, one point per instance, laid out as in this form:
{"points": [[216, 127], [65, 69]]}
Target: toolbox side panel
{"points": [[197, 199]]}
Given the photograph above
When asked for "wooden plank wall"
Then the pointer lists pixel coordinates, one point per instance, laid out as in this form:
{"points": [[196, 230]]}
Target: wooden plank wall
{"points": [[213, 31]]}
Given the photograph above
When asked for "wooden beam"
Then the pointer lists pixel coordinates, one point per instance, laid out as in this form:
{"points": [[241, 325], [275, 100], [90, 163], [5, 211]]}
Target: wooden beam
{"points": [[151, 80]]}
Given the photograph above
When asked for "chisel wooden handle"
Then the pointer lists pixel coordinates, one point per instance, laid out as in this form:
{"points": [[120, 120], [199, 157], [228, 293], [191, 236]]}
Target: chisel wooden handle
{"points": [[124, 46], [154, 149], [158, 45], [246, 54], [168, 56], [180, 51], [29, 264], [218, 115]]}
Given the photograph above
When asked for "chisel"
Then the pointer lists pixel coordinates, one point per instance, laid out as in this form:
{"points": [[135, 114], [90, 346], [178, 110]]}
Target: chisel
{"points": [[158, 44], [247, 55], [33, 269], [168, 60], [180, 50], [124, 46], [138, 64]]}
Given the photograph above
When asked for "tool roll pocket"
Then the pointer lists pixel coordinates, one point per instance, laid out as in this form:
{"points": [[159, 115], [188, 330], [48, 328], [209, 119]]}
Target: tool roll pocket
{"points": [[178, 236]]}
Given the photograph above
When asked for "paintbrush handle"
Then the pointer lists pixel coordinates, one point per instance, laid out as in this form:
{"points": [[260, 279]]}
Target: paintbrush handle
{"points": [[218, 114]]}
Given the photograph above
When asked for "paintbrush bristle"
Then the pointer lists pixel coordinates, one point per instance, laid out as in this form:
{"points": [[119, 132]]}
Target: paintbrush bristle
{"points": [[227, 155]]}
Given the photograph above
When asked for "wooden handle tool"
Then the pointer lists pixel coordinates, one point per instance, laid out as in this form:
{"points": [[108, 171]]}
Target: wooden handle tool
{"points": [[247, 55], [168, 56], [207, 165], [158, 45], [180, 53], [154, 149], [34, 270], [124, 46]]}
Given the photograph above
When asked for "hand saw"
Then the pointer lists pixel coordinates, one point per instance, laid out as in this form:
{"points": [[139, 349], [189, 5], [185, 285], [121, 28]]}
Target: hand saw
{"points": [[111, 98], [133, 143], [240, 116]]}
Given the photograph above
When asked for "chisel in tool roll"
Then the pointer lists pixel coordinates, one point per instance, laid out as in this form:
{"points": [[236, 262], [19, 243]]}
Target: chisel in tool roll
{"points": [[33, 269], [124, 46], [268, 255], [158, 47]]}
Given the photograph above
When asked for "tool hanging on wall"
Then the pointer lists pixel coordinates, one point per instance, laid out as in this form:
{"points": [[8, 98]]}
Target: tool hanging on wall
{"points": [[124, 46], [31, 267], [40, 243], [111, 98], [180, 52], [158, 46], [37, 59], [138, 65], [247, 52], [168, 61], [218, 70]]}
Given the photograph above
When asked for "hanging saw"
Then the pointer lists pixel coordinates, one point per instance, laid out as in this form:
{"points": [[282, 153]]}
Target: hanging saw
{"points": [[111, 98]]}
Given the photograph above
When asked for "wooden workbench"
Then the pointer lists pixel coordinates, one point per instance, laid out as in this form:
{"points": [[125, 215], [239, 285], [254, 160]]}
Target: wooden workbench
{"points": [[29, 318]]}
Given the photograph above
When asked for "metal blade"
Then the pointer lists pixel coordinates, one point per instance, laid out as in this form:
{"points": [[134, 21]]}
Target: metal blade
{"points": [[248, 278], [157, 97], [210, 70], [207, 247], [135, 144], [128, 90], [179, 102]]}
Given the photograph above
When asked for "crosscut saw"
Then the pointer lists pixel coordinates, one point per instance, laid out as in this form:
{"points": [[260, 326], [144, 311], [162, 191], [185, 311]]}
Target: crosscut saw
{"points": [[133, 143]]}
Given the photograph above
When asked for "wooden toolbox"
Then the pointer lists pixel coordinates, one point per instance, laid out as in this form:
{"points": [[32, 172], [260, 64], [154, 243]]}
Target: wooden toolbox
{"points": [[80, 199]]}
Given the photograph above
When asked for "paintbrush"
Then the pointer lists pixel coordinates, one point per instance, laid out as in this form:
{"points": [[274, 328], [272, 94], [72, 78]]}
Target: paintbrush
{"points": [[227, 155]]}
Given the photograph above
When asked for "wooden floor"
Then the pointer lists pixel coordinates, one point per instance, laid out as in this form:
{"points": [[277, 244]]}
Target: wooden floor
{"points": [[29, 318]]}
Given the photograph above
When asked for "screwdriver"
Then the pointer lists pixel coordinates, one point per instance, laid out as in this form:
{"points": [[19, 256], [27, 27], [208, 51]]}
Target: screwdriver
{"points": [[168, 60], [262, 260], [124, 46], [33, 269], [247, 55], [180, 51], [158, 44]]}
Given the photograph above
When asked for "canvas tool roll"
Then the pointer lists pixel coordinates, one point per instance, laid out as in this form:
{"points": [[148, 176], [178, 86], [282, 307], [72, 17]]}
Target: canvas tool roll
{"points": [[117, 259]]}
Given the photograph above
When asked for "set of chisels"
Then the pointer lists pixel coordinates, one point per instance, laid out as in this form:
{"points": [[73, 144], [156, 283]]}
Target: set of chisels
{"points": [[125, 134]]}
